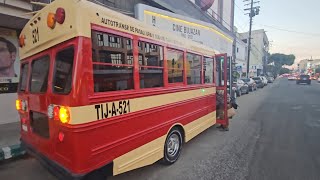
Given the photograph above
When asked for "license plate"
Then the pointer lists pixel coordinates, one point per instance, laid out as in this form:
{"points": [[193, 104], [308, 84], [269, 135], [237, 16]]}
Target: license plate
{"points": [[304, 78], [24, 127]]}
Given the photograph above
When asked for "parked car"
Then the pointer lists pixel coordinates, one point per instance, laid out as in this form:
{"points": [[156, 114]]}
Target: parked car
{"points": [[259, 82], [251, 83], [270, 79], [242, 88], [304, 79]]}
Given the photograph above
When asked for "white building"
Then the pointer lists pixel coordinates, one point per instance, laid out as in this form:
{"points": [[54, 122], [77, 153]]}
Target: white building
{"points": [[241, 56], [259, 51]]}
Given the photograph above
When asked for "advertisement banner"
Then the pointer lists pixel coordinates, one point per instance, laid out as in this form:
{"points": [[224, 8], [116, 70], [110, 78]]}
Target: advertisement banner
{"points": [[9, 61]]}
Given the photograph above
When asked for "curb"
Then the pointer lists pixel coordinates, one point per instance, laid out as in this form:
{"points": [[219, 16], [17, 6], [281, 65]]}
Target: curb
{"points": [[11, 151]]}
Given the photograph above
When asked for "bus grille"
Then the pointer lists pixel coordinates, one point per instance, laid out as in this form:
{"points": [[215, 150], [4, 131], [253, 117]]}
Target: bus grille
{"points": [[39, 124]]}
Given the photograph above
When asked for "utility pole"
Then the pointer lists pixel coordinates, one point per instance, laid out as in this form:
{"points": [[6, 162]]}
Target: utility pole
{"points": [[253, 12]]}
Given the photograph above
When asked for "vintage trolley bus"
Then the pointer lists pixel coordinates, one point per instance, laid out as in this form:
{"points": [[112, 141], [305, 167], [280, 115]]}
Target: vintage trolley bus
{"points": [[103, 91]]}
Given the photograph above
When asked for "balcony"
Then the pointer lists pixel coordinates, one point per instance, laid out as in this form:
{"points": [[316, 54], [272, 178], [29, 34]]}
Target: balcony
{"points": [[13, 13]]}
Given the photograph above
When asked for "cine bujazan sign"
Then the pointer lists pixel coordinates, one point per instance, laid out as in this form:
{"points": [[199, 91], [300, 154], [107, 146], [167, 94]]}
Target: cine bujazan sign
{"points": [[201, 32]]}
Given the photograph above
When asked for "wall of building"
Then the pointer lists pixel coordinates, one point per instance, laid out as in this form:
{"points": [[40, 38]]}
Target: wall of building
{"points": [[259, 49], [241, 56], [13, 16]]}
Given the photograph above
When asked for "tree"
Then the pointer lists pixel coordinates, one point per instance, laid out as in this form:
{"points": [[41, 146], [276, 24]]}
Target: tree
{"points": [[284, 71], [279, 60]]}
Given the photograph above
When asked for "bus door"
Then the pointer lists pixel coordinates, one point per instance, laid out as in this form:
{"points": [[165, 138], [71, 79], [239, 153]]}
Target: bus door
{"points": [[222, 90]]}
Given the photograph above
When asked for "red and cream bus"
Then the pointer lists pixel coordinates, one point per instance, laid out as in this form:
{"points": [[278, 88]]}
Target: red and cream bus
{"points": [[103, 91]]}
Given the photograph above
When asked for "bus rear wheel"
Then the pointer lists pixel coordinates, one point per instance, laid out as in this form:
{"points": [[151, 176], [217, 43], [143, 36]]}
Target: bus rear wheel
{"points": [[172, 147]]}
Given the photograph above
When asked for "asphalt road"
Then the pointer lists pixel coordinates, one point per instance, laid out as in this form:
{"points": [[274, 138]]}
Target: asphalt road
{"points": [[275, 135]]}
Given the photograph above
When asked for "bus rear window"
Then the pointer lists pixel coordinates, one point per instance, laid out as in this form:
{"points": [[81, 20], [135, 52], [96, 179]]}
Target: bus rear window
{"points": [[63, 71], [23, 77], [39, 75]]}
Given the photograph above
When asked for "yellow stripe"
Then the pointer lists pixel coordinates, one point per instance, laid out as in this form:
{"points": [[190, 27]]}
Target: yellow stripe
{"points": [[153, 151], [84, 114], [189, 23], [196, 127]]}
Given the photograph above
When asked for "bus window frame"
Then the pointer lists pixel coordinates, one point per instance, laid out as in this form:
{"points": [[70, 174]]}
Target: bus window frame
{"points": [[20, 78], [96, 97], [201, 70], [37, 57], [102, 29], [63, 47], [165, 81], [183, 83], [214, 72]]}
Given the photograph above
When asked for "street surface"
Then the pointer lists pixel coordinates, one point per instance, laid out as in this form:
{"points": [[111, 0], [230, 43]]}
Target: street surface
{"points": [[275, 136]]}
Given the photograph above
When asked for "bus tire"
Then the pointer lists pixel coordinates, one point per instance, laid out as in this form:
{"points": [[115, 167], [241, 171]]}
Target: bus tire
{"points": [[172, 147]]}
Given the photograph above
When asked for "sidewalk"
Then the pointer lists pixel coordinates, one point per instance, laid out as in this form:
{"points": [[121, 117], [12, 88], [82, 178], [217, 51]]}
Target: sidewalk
{"points": [[10, 140]]}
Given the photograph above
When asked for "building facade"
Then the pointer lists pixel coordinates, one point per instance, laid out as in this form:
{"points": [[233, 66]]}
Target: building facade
{"points": [[241, 56], [308, 66], [259, 51], [14, 14]]}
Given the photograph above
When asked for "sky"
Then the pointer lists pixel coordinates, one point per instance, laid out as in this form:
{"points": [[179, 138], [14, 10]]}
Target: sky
{"points": [[292, 27]]}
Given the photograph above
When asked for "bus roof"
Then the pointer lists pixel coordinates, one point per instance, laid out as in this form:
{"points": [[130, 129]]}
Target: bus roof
{"points": [[80, 15]]}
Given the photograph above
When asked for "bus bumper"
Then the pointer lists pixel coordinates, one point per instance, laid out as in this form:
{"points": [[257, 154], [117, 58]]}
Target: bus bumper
{"points": [[56, 169]]}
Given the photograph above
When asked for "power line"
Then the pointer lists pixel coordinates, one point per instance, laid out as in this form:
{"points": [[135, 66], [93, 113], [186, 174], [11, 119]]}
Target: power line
{"points": [[292, 31]]}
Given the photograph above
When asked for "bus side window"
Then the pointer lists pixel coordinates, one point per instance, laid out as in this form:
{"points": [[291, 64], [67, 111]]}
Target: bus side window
{"points": [[208, 70], [193, 69], [63, 71], [151, 65], [175, 66], [112, 58]]}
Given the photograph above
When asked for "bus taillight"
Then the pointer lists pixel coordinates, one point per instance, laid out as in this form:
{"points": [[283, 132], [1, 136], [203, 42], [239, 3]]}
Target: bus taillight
{"points": [[21, 105], [18, 104], [60, 15], [64, 114], [61, 113], [56, 113], [22, 40], [51, 22]]}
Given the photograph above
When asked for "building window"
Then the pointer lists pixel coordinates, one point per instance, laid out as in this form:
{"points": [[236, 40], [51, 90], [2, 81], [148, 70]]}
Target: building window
{"points": [[175, 66], [112, 58], [237, 49], [151, 65], [193, 69], [208, 70]]}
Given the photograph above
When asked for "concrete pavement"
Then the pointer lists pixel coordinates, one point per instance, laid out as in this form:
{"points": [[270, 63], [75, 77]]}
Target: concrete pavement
{"points": [[274, 136]]}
